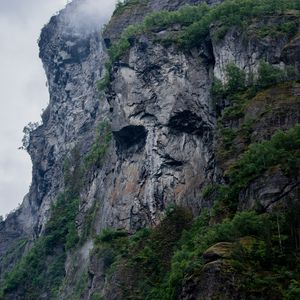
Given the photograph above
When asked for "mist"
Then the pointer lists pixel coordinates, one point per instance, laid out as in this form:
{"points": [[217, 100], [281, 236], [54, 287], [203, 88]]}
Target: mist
{"points": [[86, 15], [22, 81]]}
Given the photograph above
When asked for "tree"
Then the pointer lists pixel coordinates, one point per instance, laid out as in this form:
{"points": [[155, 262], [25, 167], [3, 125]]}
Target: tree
{"points": [[27, 130], [236, 79]]}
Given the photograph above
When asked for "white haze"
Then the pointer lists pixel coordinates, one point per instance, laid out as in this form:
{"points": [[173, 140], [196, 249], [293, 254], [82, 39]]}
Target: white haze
{"points": [[23, 91]]}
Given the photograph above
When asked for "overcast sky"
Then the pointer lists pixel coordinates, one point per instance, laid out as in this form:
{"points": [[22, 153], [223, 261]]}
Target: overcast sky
{"points": [[23, 91]]}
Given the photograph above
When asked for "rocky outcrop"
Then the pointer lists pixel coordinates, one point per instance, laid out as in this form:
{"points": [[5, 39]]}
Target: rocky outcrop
{"points": [[247, 48], [217, 281], [72, 54], [161, 97], [163, 124]]}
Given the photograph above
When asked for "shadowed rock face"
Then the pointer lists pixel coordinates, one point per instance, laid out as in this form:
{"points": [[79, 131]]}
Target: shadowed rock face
{"points": [[165, 93], [129, 137], [188, 122], [133, 190]]}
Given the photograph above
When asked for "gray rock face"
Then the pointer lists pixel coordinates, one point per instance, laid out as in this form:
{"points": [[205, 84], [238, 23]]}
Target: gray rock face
{"points": [[163, 125], [72, 57], [246, 50], [169, 153], [162, 122], [268, 191]]}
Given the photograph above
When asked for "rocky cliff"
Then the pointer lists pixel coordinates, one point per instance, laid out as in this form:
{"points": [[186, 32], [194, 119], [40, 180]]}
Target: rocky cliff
{"points": [[170, 180]]}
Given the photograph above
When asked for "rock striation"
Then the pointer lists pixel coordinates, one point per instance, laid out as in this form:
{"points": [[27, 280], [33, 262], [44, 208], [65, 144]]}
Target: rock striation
{"points": [[163, 121]]}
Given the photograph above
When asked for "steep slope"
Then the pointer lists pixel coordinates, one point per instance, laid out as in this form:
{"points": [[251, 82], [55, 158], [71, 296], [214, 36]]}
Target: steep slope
{"points": [[184, 125], [69, 49]]}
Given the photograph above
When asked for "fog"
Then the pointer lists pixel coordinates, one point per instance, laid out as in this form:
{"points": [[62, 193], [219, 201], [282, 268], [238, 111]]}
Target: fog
{"points": [[23, 83]]}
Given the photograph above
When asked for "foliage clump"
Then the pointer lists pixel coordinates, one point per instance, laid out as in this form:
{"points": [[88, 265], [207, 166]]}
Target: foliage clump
{"points": [[100, 145], [195, 22], [43, 267], [144, 256], [157, 262]]}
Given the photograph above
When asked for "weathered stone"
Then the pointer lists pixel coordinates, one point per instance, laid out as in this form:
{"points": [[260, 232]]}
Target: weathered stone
{"points": [[163, 122], [221, 250], [217, 280]]}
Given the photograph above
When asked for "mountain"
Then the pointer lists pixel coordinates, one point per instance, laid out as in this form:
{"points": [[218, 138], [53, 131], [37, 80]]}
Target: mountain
{"points": [[167, 162]]}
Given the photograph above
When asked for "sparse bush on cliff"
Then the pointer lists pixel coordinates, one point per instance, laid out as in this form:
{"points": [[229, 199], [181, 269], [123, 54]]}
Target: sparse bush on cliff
{"points": [[43, 267], [236, 79], [122, 5], [144, 256], [100, 146], [269, 75], [282, 150], [27, 130], [196, 22]]}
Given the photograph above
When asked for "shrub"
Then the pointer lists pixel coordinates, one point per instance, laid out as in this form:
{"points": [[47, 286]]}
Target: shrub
{"points": [[269, 75], [236, 79], [281, 149], [146, 255], [108, 235], [100, 146], [207, 190], [122, 5], [28, 130], [293, 291], [196, 21], [217, 90], [42, 270]]}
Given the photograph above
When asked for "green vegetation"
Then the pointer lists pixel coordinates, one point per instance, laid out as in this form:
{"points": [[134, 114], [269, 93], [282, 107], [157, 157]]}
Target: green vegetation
{"points": [[281, 151], [238, 82], [27, 130], [96, 296], [196, 22], [156, 262], [122, 5], [236, 79], [102, 84], [239, 94], [207, 190], [81, 285], [145, 256], [100, 146], [42, 268], [88, 222], [16, 250]]}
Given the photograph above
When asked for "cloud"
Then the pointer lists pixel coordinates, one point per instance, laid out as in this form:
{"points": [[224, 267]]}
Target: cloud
{"points": [[87, 15], [97, 12], [22, 82]]}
